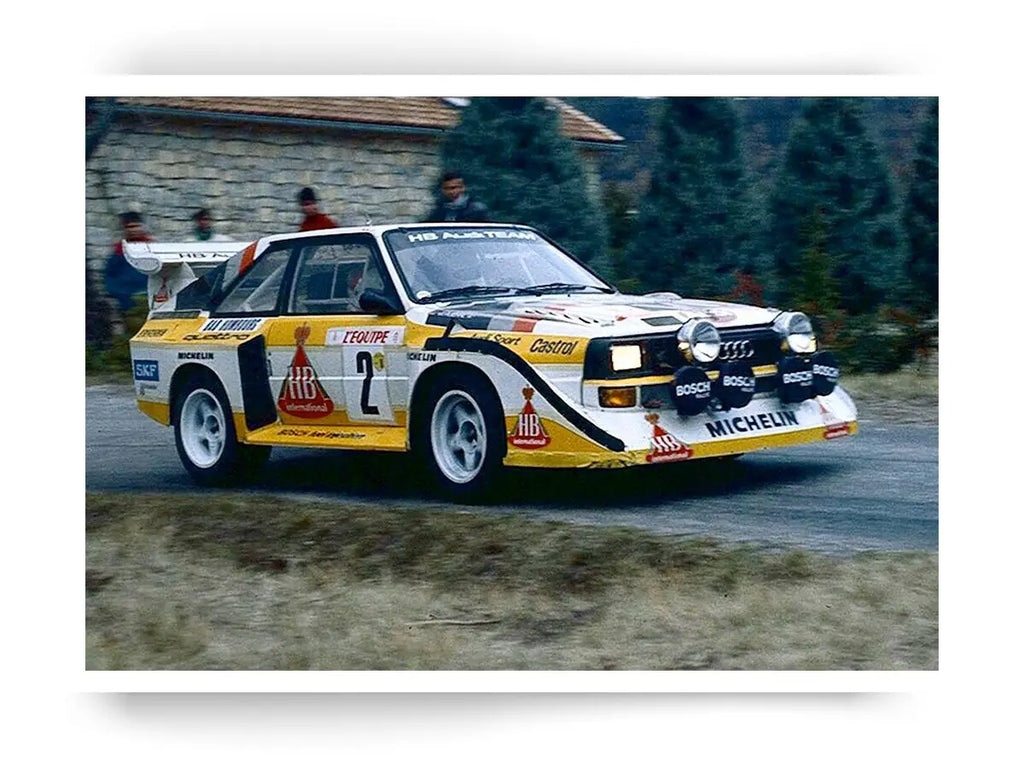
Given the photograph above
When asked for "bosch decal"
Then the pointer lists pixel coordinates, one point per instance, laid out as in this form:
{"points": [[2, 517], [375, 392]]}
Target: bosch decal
{"points": [[301, 392], [147, 370]]}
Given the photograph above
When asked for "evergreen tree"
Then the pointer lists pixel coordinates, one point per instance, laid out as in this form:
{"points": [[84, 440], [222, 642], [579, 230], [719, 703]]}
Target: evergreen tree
{"points": [[514, 158], [921, 217], [692, 230], [832, 163]]}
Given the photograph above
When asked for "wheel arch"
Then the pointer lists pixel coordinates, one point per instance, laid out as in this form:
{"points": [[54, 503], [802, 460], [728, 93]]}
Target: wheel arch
{"points": [[182, 374], [425, 383]]}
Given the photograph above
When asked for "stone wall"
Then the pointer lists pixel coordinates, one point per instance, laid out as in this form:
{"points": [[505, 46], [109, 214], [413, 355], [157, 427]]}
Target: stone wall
{"points": [[249, 176]]}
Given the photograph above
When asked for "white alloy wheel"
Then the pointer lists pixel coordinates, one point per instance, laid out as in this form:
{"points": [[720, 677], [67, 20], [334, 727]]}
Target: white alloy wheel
{"points": [[458, 436], [203, 428]]}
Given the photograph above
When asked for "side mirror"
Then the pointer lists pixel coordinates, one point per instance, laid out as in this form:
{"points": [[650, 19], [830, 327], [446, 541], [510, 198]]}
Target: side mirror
{"points": [[377, 303]]}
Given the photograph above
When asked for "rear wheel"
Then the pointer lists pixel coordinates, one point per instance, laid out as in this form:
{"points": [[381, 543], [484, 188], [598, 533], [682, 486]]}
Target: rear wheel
{"points": [[462, 436], [204, 433]]}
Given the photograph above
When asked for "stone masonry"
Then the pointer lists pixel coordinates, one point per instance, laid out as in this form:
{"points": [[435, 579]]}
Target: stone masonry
{"points": [[249, 176]]}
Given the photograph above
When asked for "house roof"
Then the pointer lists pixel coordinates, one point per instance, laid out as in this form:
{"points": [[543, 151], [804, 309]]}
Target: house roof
{"points": [[390, 111]]}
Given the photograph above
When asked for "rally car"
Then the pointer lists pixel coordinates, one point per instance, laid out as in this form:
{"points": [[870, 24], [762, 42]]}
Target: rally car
{"points": [[471, 347]]}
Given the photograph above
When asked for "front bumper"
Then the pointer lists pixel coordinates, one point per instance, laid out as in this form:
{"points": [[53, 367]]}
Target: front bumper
{"points": [[659, 436]]}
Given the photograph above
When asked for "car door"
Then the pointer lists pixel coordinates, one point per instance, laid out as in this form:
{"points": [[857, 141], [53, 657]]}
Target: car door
{"points": [[334, 363]]}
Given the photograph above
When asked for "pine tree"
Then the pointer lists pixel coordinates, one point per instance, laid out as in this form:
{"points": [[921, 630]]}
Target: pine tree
{"points": [[921, 217], [513, 156], [692, 232], [832, 164]]}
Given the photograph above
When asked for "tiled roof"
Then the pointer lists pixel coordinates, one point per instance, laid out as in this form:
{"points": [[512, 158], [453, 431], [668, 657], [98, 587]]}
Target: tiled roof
{"points": [[418, 112]]}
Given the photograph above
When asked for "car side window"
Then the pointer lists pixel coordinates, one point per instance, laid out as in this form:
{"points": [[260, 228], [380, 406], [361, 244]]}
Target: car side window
{"points": [[257, 290], [330, 277]]}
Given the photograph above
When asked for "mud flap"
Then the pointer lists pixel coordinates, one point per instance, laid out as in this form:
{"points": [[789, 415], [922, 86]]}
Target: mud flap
{"points": [[257, 398]]}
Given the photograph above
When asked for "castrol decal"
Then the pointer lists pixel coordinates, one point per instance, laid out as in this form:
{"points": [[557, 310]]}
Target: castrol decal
{"points": [[302, 395], [366, 336], [529, 432], [665, 446]]}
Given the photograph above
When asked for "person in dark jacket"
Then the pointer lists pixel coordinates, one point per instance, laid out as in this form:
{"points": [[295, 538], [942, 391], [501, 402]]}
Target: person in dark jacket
{"points": [[455, 203], [312, 218], [121, 280]]}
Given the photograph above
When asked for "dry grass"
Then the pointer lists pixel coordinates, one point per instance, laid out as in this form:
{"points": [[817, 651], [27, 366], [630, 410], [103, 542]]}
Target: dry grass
{"points": [[244, 582], [909, 395]]}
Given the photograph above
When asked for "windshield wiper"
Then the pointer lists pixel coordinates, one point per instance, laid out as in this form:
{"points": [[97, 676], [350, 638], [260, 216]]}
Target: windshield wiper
{"points": [[471, 290], [567, 287]]}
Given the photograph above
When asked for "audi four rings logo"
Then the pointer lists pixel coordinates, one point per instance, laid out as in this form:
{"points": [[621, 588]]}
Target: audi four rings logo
{"points": [[736, 350]]}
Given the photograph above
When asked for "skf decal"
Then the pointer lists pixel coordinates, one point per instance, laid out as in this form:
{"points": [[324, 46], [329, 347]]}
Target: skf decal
{"points": [[301, 392], [147, 370], [529, 432], [390, 335], [834, 427], [740, 424], [665, 447]]}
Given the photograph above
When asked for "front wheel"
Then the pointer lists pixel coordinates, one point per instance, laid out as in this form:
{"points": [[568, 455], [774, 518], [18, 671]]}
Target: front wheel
{"points": [[462, 437], [204, 434]]}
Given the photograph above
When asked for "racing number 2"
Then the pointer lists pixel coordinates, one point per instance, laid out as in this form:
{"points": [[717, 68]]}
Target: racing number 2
{"points": [[365, 361]]}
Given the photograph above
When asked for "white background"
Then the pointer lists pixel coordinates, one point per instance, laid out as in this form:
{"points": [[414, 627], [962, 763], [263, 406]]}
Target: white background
{"points": [[56, 55]]}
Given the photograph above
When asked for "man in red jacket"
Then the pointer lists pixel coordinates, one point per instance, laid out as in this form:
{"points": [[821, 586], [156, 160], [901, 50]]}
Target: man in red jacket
{"points": [[313, 219]]}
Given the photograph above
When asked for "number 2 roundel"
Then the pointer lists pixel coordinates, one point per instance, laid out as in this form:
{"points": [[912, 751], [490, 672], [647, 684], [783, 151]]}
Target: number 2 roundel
{"points": [[301, 394]]}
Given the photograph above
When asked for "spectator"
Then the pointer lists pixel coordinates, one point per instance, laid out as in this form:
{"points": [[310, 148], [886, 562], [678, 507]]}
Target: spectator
{"points": [[202, 228], [313, 219], [121, 280], [455, 203]]}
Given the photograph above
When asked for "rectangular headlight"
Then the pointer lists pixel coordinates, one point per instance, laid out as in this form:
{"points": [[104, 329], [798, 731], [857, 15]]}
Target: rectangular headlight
{"points": [[626, 357]]}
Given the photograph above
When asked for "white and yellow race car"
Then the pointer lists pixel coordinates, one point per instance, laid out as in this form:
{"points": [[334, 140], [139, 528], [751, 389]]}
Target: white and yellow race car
{"points": [[470, 346]]}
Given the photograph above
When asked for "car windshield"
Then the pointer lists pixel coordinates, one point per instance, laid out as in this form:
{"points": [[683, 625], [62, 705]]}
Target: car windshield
{"points": [[446, 263]]}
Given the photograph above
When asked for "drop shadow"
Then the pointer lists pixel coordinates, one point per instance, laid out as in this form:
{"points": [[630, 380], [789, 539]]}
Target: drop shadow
{"points": [[382, 477]]}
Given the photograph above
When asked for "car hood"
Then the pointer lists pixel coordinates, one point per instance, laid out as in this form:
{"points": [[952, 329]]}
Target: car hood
{"points": [[592, 315]]}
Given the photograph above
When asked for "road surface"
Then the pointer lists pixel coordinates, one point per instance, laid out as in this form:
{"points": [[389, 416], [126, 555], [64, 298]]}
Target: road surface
{"points": [[876, 491]]}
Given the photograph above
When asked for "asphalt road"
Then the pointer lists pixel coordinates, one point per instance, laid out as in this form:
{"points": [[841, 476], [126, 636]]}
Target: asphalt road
{"points": [[876, 491]]}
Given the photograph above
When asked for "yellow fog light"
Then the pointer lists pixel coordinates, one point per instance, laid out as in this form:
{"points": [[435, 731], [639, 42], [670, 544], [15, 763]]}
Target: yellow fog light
{"points": [[616, 397]]}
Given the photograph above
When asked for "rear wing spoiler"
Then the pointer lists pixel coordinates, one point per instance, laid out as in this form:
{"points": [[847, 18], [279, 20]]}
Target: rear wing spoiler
{"points": [[172, 266]]}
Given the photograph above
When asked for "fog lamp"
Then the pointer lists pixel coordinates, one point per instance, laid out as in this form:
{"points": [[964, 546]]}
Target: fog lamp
{"points": [[699, 341], [616, 397], [797, 333]]}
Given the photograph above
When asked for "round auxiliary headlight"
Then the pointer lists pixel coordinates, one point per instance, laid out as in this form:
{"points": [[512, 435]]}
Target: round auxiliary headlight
{"points": [[699, 341], [797, 333]]}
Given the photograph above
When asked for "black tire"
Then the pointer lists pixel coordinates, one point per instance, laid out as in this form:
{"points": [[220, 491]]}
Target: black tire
{"points": [[204, 434], [460, 436]]}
